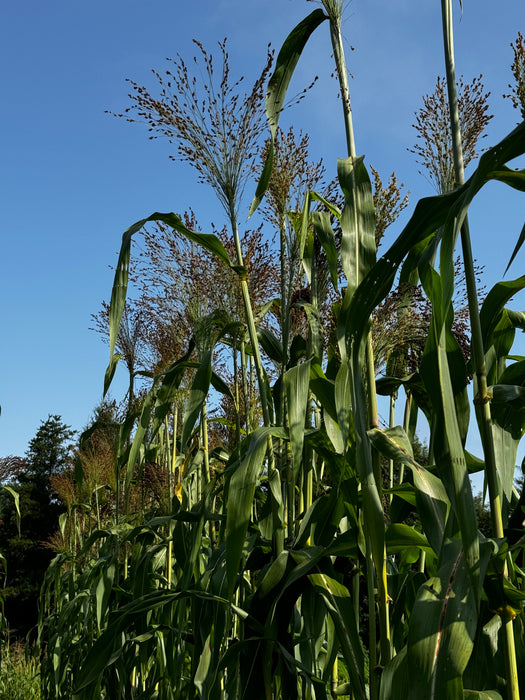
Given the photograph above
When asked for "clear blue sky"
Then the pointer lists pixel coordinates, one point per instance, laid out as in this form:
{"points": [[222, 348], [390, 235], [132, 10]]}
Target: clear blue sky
{"points": [[73, 178]]}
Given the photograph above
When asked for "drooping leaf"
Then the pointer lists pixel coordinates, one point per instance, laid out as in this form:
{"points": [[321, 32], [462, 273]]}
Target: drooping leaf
{"points": [[507, 409], [493, 305], [431, 497], [516, 249], [120, 283], [278, 85], [429, 216], [400, 536], [271, 345]]}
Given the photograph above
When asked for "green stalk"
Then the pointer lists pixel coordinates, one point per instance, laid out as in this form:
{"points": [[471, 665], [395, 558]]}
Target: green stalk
{"points": [[205, 448], [170, 486], [250, 321], [206, 463], [481, 400], [285, 306], [372, 635], [284, 463], [334, 11], [252, 334], [236, 390], [391, 424], [244, 380]]}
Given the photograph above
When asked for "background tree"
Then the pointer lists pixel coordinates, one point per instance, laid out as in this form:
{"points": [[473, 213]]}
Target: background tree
{"points": [[28, 555]]}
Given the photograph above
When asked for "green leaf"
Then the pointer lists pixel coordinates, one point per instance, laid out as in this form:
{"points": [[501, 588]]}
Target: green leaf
{"points": [[340, 606], [169, 387], [16, 499], [394, 681], [241, 490], [160, 400], [399, 536], [201, 674], [197, 396], [323, 388], [120, 283], [325, 234], [442, 627], [513, 178], [358, 248], [493, 306], [271, 345], [278, 85], [429, 216], [481, 695], [431, 497], [444, 374], [343, 402], [274, 575], [104, 590], [296, 383], [516, 249], [507, 409]]}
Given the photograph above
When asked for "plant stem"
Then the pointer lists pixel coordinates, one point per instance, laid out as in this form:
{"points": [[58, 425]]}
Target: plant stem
{"points": [[391, 424], [339, 57], [250, 321], [334, 11], [259, 370], [477, 351]]}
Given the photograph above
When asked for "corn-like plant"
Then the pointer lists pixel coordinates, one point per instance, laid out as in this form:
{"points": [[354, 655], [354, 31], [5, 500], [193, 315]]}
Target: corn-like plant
{"points": [[291, 561]]}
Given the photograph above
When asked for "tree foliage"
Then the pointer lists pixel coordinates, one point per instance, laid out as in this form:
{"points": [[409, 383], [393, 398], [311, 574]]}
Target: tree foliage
{"points": [[28, 555]]}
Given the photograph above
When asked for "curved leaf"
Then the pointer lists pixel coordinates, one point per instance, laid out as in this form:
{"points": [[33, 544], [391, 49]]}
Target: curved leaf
{"points": [[277, 87], [493, 305], [120, 283], [431, 497], [429, 215]]}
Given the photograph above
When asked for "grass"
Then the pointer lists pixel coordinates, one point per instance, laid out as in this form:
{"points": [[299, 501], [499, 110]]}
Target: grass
{"points": [[19, 676]]}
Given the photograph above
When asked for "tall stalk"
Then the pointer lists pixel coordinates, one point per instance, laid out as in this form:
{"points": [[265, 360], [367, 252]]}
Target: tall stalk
{"points": [[250, 321], [334, 10], [259, 371], [482, 399]]}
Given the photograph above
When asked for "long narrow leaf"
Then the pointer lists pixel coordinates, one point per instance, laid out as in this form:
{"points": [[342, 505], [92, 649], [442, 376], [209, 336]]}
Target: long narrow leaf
{"points": [[120, 283], [433, 503], [197, 396], [296, 381], [429, 215], [277, 87], [442, 627], [241, 489], [337, 600]]}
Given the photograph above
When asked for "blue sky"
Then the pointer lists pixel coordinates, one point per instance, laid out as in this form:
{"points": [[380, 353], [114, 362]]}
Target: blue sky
{"points": [[74, 178]]}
